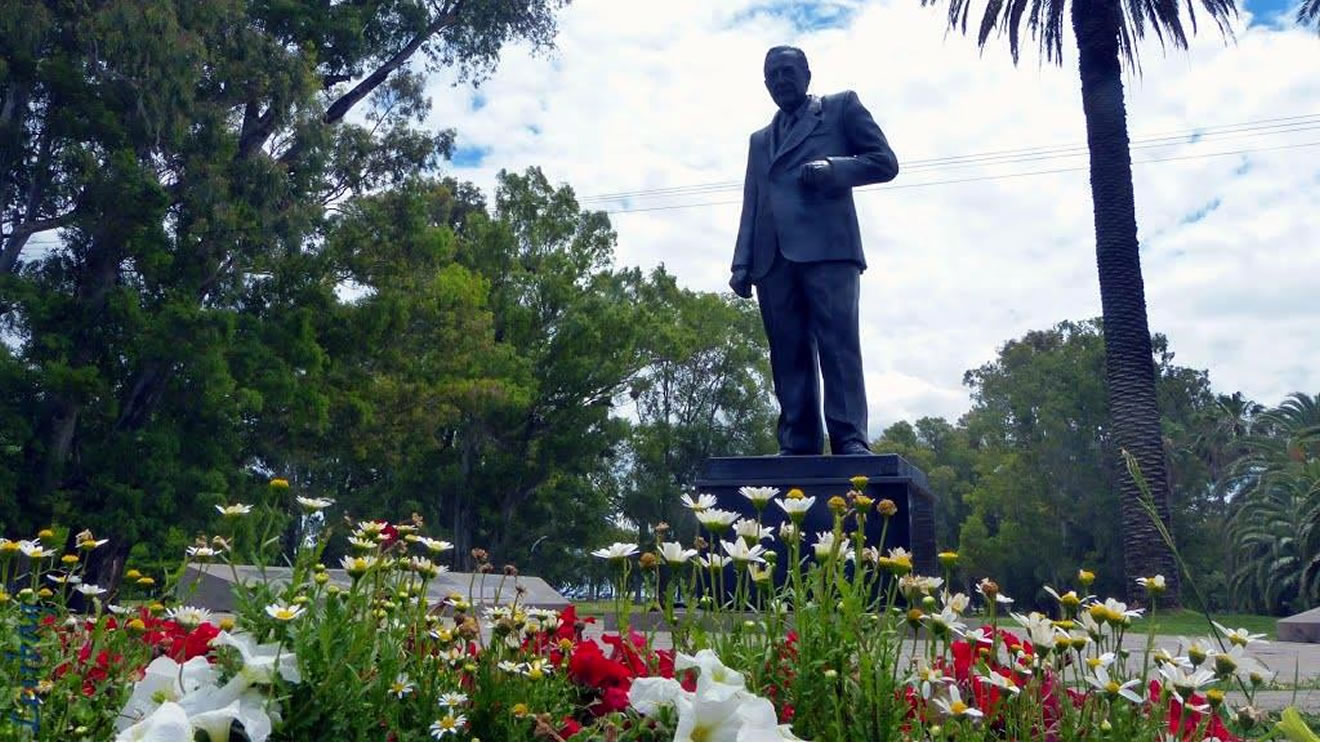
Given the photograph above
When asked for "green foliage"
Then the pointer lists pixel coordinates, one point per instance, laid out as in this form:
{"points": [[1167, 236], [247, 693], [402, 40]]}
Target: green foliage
{"points": [[1031, 464], [704, 392], [169, 347], [1275, 525]]}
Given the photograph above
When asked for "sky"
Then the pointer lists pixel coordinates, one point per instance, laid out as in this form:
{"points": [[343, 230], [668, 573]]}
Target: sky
{"points": [[965, 253]]}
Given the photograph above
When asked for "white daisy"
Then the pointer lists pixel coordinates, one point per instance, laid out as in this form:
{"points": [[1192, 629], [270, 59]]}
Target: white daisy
{"points": [[796, 506], [284, 613], [435, 546], [237, 509], [954, 706], [312, 505], [453, 699], [447, 725], [702, 502], [758, 496], [189, 616], [1102, 682], [674, 554], [738, 551], [616, 551], [401, 687], [716, 519]]}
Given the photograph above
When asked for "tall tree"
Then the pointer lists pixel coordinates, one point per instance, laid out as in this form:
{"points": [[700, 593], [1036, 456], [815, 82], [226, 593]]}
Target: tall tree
{"points": [[1107, 33], [704, 392], [186, 152], [1309, 13], [1275, 528]]}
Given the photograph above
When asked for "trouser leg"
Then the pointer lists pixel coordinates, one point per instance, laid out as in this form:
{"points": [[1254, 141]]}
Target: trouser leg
{"points": [[785, 314], [832, 290]]}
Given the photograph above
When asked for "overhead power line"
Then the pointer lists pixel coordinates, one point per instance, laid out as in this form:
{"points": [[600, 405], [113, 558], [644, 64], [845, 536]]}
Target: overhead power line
{"points": [[1003, 176], [1255, 128]]}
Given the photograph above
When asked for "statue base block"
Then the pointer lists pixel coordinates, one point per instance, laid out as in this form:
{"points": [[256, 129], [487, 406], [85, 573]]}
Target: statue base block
{"points": [[889, 476]]}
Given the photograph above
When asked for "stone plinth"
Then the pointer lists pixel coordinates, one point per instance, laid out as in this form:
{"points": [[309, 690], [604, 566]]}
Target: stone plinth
{"points": [[214, 586], [890, 476], [1304, 627]]}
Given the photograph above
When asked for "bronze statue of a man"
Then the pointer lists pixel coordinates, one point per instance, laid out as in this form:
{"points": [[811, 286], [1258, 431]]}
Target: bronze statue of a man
{"points": [[800, 246]]}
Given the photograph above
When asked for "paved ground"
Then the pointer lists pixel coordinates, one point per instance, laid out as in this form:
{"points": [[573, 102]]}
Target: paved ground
{"points": [[1295, 663]]}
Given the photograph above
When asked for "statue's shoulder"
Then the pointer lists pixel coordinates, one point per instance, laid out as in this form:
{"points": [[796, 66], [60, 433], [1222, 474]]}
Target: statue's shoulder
{"points": [[839, 99]]}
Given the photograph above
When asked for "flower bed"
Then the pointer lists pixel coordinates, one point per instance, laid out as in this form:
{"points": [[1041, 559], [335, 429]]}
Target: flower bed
{"points": [[853, 646]]}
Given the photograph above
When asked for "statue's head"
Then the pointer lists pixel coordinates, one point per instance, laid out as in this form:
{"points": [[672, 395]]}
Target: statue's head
{"points": [[787, 76]]}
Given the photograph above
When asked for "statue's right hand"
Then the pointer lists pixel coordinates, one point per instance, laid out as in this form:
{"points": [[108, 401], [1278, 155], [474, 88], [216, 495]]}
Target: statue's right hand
{"points": [[741, 284]]}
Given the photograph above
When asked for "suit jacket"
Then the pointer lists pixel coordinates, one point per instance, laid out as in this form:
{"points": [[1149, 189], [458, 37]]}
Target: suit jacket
{"points": [[810, 224]]}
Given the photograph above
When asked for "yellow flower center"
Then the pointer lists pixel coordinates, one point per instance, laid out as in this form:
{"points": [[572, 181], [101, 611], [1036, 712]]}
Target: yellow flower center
{"points": [[701, 732], [958, 708], [1112, 687], [284, 613]]}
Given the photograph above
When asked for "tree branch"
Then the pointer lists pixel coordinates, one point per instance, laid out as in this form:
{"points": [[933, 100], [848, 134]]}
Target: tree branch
{"points": [[18, 237], [345, 103]]}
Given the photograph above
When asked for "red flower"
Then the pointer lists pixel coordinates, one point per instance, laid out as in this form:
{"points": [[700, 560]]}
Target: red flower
{"points": [[1185, 723], [570, 727]]}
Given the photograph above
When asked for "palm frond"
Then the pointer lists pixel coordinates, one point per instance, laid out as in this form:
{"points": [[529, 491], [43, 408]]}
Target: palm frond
{"points": [[1130, 21], [1309, 13]]}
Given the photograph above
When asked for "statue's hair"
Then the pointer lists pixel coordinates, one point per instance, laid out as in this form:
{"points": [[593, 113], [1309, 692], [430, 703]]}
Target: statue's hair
{"points": [[785, 48]]}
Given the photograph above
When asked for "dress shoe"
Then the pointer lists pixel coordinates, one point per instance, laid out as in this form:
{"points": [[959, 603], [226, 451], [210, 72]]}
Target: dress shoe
{"points": [[856, 449]]}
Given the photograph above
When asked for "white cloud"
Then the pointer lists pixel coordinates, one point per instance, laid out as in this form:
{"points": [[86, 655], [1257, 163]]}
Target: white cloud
{"points": [[641, 96]]}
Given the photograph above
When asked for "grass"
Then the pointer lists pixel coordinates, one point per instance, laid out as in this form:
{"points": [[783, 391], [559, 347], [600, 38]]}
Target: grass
{"points": [[1192, 624]]}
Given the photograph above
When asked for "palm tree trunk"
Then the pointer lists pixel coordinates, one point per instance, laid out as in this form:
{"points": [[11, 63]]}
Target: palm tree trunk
{"points": [[1129, 365]]}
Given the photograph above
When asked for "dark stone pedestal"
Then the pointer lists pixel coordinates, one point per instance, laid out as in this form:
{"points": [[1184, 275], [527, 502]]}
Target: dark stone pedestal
{"points": [[912, 528]]}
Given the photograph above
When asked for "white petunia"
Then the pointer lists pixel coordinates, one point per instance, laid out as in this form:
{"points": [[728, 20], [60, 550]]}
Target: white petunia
{"points": [[167, 722], [261, 663], [164, 680], [649, 693], [714, 679]]}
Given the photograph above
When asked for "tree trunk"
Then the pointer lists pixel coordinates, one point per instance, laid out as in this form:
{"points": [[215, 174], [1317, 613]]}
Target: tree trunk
{"points": [[1129, 362]]}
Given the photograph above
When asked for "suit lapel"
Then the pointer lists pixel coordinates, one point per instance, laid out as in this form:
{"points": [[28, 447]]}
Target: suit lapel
{"points": [[804, 126]]}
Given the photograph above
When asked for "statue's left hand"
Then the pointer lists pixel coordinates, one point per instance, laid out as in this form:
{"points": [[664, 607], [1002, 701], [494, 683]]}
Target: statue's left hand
{"points": [[815, 174]]}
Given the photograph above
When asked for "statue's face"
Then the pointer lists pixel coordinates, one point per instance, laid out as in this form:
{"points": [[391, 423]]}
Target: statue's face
{"points": [[786, 77]]}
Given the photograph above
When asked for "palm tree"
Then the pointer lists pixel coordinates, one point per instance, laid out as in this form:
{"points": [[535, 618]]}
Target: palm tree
{"points": [[1107, 33], [1309, 13], [1275, 523]]}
